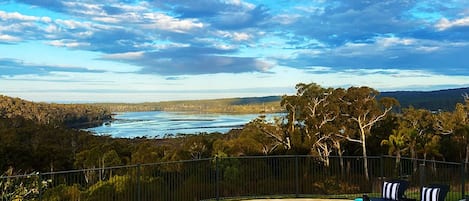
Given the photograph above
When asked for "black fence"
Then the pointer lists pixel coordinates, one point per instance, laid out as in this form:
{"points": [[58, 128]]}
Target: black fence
{"points": [[237, 177]]}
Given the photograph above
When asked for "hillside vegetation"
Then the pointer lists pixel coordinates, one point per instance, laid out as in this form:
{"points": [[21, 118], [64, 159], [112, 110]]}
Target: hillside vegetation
{"points": [[444, 100], [253, 105], [70, 115], [320, 122]]}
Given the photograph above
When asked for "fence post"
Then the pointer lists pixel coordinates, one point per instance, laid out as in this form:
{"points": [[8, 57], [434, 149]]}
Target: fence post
{"points": [[39, 185], [297, 177], [217, 178], [422, 174], [381, 167], [138, 183], [463, 180]]}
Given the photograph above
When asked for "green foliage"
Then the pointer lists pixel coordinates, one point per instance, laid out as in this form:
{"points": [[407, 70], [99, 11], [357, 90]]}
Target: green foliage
{"points": [[319, 121], [115, 187], [26, 187], [71, 115], [269, 104], [445, 100], [62, 192]]}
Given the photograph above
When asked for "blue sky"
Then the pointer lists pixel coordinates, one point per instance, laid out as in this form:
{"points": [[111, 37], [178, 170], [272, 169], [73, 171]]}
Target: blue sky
{"points": [[140, 51]]}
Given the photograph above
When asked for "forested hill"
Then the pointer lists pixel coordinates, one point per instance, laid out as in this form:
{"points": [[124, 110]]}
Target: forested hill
{"points": [[267, 104], [430, 100], [70, 115]]}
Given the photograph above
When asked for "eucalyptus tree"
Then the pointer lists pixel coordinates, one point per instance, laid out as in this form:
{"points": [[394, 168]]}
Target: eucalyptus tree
{"points": [[415, 124], [312, 117], [291, 105], [456, 123], [463, 131], [268, 136], [363, 111], [321, 114]]}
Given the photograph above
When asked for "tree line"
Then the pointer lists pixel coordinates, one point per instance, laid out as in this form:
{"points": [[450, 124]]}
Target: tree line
{"points": [[269, 104], [70, 115], [318, 121]]}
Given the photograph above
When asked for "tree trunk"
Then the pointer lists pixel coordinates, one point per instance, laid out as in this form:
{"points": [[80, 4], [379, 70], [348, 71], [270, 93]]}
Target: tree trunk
{"points": [[413, 156], [365, 156], [341, 159], [398, 162]]}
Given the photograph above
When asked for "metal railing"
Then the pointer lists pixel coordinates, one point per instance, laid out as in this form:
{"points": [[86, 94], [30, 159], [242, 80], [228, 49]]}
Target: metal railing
{"points": [[222, 178]]}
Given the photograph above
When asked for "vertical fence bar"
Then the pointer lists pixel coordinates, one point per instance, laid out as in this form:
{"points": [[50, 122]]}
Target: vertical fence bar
{"points": [[381, 168], [39, 185], [217, 178], [463, 180], [139, 192], [422, 174], [297, 177], [249, 176]]}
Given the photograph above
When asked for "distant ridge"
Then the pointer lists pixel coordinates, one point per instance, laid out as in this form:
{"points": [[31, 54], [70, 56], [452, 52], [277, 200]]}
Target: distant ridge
{"points": [[445, 99], [431, 100]]}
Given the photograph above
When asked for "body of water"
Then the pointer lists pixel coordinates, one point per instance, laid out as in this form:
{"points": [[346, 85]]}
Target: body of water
{"points": [[157, 124]]}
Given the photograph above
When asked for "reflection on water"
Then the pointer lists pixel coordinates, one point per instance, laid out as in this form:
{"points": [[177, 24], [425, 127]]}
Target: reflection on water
{"points": [[156, 124]]}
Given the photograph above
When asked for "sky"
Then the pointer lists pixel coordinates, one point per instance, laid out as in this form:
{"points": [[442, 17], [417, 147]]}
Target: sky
{"points": [[159, 50]]}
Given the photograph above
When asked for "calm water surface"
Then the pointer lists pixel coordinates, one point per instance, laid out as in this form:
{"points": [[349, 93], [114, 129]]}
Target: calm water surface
{"points": [[157, 124]]}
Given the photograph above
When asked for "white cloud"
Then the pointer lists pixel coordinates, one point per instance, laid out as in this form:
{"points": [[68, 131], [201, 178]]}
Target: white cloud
{"points": [[241, 3], [428, 48], [166, 22], [311, 9], [17, 16], [125, 56], [237, 36], [286, 19], [111, 20], [444, 23], [393, 41], [73, 24], [85, 9], [381, 45], [241, 36], [8, 38], [67, 43]]}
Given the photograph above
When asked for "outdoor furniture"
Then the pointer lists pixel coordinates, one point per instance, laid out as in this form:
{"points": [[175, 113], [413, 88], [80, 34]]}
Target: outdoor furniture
{"points": [[392, 190], [434, 192]]}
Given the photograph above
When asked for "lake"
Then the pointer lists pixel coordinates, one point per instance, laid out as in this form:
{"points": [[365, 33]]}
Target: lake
{"points": [[157, 124]]}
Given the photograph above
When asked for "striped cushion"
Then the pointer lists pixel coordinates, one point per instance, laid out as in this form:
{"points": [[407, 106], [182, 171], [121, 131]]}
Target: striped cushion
{"points": [[430, 194], [390, 191]]}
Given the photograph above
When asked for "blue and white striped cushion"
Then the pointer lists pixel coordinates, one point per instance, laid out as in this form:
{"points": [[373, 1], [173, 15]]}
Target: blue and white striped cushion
{"points": [[430, 194], [390, 191]]}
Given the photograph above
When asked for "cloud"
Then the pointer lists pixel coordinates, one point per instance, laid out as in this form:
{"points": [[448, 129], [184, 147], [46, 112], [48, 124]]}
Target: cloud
{"points": [[168, 23], [388, 53], [15, 16], [124, 56], [68, 43], [9, 38], [445, 24], [225, 15], [227, 36], [190, 61], [13, 67]]}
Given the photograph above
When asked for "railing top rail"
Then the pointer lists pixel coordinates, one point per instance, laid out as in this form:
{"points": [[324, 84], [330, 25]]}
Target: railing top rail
{"points": [[425, 160], [173, 162], [19, 176], [220, 158]]}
